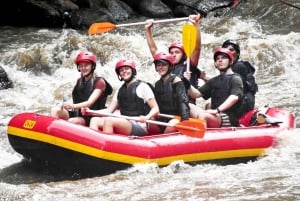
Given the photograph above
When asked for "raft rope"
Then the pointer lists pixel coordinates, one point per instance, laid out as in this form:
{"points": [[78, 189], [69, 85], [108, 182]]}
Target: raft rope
{"points": [[289, 4]]}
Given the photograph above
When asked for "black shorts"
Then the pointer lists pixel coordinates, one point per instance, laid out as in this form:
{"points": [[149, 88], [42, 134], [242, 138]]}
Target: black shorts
{"points": [[77, 113]]}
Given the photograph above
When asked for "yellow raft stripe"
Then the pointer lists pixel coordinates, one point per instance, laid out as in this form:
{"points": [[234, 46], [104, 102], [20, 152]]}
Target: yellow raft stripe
{"points": [[42, 137], [131, 159]]}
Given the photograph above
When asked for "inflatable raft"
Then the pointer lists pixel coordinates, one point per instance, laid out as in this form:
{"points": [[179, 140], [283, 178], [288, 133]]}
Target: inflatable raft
{"points": [[79, 149]]}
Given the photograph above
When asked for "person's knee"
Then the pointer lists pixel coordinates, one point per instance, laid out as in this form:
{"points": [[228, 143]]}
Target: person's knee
{"points": [[59, 113], [96, 123], [174, 121], [54, 112], [108, 123], [170, 129], [77, 120]]}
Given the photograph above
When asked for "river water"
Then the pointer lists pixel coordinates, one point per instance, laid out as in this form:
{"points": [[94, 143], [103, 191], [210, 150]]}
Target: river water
{"points": [[40, 63]]}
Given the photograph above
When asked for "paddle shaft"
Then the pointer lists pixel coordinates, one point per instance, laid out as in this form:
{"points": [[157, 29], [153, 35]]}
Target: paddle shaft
{"points": [[155, 21], [126, 117], [101, 27], [168, 116], [178, 126], [200, 121]]}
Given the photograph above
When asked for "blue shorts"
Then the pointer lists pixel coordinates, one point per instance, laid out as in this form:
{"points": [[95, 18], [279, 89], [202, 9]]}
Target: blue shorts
{"points": [[137, 129]]}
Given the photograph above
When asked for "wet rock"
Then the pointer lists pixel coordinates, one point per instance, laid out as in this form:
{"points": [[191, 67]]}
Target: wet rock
{"points": [[80, 14], [154, 8], [5, 82]]}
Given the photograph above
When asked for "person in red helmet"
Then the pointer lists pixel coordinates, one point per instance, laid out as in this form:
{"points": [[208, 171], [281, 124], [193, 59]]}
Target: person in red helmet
{"points": [[225, 91], [170, 93], [90, 91], [176, 49], [246, 71], [134, 98]]}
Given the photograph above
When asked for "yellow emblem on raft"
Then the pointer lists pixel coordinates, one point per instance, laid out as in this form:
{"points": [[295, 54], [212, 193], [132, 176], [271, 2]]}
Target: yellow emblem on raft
{"points": [[29, 124]]}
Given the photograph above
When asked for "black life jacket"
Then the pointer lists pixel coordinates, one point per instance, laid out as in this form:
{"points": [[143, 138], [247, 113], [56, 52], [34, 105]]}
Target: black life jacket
{"points": [[83, 90], [179, 69], [220, 92], [246, 71], [129, 103], [165, 97]]}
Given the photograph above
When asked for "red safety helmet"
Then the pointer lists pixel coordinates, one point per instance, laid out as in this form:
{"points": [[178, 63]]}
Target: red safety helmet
{"points": [[85, 56], [123, 62], [177, 45], [225, 51], [164, 56]]}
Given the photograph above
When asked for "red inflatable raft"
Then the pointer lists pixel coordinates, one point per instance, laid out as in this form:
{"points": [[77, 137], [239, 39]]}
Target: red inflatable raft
{"points": [[80, 149]]}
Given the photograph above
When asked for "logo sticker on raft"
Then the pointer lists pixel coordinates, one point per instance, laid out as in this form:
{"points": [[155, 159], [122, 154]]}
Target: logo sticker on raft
{"points": [[29, 124]]}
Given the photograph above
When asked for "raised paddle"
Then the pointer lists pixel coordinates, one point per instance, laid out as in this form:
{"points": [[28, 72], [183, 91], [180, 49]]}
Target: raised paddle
{"points": [[190, 128], [101, 27], [189, 35]]}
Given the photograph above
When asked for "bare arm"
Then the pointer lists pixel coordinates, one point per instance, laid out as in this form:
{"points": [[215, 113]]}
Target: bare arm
{"points": [[113, 104], [194, 93], [196, 53], [183, 100], [92, 99], [110, 108], [154, 108], [228, 103], [149, 37], [95, 95]]}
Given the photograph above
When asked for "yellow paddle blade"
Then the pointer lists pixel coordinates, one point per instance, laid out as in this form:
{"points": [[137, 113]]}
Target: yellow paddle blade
{"points": [[101, 27], [189, 34]]}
